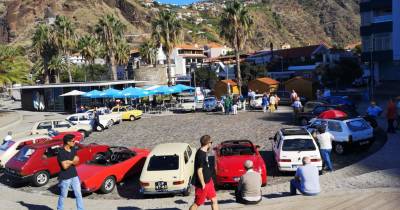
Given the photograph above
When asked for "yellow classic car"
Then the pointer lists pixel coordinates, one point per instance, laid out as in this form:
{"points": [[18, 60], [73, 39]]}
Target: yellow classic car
{"points": [[127, 113]]}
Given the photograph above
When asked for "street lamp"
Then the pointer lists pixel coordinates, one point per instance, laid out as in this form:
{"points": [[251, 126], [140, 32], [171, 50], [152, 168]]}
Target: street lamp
{"points": [[372, 72]]}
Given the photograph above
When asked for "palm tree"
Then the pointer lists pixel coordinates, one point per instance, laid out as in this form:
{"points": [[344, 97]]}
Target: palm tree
{"points": [[235, 25], [14, 67], [58, 65], [167, 31], [148, 51], [110, 31], [44, 47], [88, 48], [64, 38]]}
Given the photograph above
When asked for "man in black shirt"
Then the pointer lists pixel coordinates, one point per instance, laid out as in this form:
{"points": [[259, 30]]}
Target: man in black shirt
{"points": [[203, 181], [68, 175]]}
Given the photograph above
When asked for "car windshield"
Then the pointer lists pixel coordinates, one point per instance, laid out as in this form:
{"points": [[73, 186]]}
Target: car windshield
{"points": [[6, 145], [24, 154], [237, 150], [187, 100], [298, 145], [357, 125], [163, 163]]}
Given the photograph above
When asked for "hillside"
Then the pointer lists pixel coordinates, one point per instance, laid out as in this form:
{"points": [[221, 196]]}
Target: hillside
{"points": [[296, 22]]}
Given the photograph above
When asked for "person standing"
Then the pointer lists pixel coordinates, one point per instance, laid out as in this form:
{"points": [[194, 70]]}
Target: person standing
{"points": [[325, 146], [297, 106], [391, 116], [249, 186], [277, 99], [8, 137], [293, 96], [68, 176], [228, 105], [235, 105], [374, 110], [203, 182], [264, 102], [272, 102], [306, 179]]}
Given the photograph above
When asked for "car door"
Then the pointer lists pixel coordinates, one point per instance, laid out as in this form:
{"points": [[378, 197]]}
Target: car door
{"points": [[335, 128], [189, 163], [49, 159], [43, 127], [62, 125], [74, 119]]}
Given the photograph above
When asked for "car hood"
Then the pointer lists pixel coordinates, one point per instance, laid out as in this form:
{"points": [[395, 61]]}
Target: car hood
{"points": [[234, 164]]}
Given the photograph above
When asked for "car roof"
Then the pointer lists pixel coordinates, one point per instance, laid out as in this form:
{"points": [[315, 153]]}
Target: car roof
{"points": [[46, 144], [169, 148], [236, 142], [30, 137], [344, 119], [294, 131]]}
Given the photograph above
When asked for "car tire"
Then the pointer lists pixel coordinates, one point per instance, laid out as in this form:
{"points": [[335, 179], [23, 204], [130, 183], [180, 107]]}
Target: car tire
{"points": [[110, 123], [188, 189], [99, 128], [108, 185], [132, 118], [339, 148], [40, 178]]}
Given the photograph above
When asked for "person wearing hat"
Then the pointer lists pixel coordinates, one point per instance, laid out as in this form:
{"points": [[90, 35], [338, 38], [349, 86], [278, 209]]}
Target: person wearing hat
{"points": [[68, 176], [249, 186]]}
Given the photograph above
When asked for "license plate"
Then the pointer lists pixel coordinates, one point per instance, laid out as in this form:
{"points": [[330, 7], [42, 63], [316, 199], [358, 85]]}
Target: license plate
{"points": [[236, 179], [364, 142], [161, 186]]}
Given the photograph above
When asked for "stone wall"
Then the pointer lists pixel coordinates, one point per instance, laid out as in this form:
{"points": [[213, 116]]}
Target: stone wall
{"points": [[155, 75]]}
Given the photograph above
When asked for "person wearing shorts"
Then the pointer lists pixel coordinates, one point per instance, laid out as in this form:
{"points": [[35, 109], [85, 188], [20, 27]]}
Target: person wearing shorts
{"points": [[204, 185]]}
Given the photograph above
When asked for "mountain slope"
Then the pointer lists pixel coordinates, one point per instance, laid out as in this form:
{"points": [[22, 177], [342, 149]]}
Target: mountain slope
{"points": [[296, 22]]}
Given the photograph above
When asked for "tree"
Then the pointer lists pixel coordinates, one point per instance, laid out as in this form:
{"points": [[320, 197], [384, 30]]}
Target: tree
{"points": [[205, 77], [110, 31], [235, 25], [44, 47], [148, 51], [64, 39], [167, 31], [88, 48], [58, 65], [14, 67]]}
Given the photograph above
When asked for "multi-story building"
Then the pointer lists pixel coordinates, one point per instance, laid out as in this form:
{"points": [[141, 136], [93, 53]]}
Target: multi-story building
{"points": [[186, 57], [380, 34]]}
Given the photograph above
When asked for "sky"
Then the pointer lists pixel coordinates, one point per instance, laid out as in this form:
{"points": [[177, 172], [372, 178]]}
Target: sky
{"points": [[177, 1]]}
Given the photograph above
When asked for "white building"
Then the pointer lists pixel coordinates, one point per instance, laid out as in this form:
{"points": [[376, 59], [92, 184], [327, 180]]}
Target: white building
{"points": [[213, 50], [187, 56]]}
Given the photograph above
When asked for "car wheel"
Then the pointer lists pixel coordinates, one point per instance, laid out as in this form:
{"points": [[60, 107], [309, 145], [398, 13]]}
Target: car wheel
{"points": [[110, 123], [99, 128], [339, 148], [108, 185], [303, 122], [132, 118], [41, 178], [188, 188]]}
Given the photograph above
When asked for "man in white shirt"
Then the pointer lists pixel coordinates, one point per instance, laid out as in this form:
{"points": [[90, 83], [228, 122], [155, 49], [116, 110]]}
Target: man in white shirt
{"points": [[293, 96], [325, 146], [8, 137], [249, 187], [306, 179]]}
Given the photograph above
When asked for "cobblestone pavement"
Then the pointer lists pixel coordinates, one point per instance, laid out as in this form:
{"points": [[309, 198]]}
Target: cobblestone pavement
{"points": [[150, 131]]}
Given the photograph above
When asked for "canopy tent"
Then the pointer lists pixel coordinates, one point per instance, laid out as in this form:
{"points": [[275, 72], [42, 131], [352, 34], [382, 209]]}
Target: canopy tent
{"points": [[73, 93], [332, 114], [183, 87], [93, 94], [160, 89], [132, 92], [111, 93]]}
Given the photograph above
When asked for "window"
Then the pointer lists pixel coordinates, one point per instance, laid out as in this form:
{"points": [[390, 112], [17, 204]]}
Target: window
{"points": [[298, 145], [24, 154], [6, 145], [83, 118], [122, 109], [61, 124], [185, 156], [383, 41], [22, 144], [189, 151], [52, 151], [44, 125], [334, 126], [73, 118], [358, 125], [163, 163]]}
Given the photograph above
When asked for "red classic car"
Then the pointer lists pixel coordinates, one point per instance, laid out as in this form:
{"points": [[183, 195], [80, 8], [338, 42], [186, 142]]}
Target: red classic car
{"points": [[38, 162], [107, 169], [55, 135], [230, 157]]}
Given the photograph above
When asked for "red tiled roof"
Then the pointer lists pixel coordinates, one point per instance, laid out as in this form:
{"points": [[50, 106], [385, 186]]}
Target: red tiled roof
{"points": [[229, 81], [189, 47], [268, 80]]}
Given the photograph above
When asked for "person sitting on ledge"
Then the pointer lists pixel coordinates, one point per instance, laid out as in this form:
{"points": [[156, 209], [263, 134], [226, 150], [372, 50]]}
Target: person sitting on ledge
{"points": [[306, 179], [249, 187]]}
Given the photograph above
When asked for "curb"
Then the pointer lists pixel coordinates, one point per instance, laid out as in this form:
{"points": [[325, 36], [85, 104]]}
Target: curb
{"points": [[13, 123]]}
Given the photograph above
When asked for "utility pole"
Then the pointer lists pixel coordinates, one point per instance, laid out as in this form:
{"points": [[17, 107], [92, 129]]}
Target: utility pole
{"points": [[372, 72]]}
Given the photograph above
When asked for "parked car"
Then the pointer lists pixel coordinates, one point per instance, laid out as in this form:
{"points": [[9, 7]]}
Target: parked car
{"points": [[87, 119], [127, 113], [310, 105], [229, 159], [109, 168], [290, 145], [9, 148], [210, 104], [43, 127], [106, 115], [186, 104], [257, 102], [284, 97], [347, 132], [36, 163], [303, 118], [339, 100], [168, 169]]}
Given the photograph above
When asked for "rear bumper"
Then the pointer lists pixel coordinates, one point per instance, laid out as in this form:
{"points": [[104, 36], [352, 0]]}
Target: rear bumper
{"points": [[153, 192], [362, 142], [17, 177], [292, 167]]}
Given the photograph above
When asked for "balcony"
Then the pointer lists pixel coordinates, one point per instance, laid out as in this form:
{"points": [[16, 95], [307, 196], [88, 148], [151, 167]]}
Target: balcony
{"points": [[382, 19]]}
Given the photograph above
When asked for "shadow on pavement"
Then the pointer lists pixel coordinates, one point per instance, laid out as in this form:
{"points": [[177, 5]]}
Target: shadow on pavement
{"points": [[34, 206], [277, 195]]}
